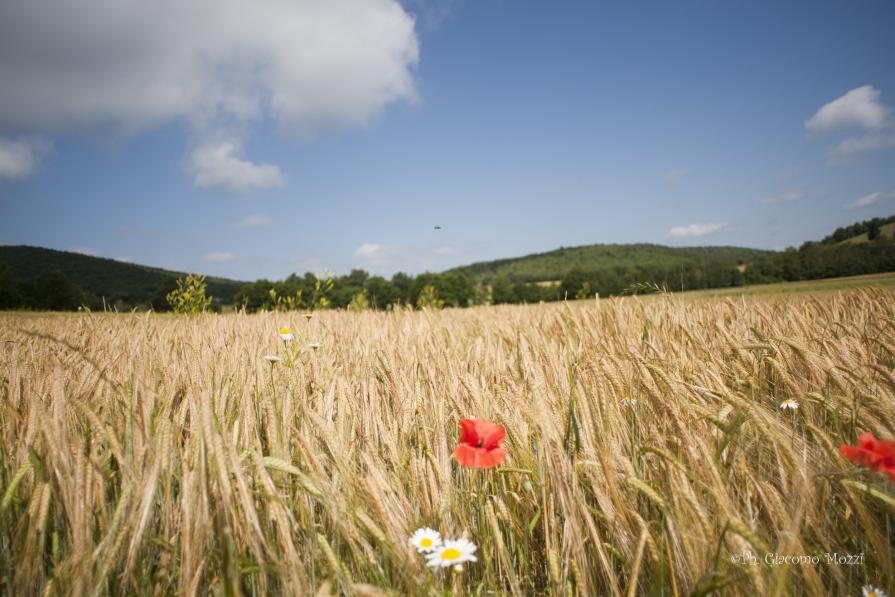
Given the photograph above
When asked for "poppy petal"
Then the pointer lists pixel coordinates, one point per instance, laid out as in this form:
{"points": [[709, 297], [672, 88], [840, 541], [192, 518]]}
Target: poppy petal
{"points": [[491, 458], [493, 437], [867, 441], [466, 455], [468, 433]]}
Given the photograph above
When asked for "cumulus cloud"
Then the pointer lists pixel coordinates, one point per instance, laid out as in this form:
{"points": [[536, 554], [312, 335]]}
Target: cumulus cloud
{"points": [[255, 221], [694, 230], [373, 254], [134, 64], [218, 166], [871, 199], [859, 107], [218, 257], [129, 66], [791, 195], [377, 256], [852, 147], [20, 158]]}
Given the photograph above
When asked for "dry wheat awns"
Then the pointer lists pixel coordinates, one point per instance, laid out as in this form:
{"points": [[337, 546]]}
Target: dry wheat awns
{"points": [[646, 448]]}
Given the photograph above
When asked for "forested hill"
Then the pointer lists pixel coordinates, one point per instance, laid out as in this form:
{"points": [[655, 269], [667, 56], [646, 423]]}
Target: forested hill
{"points": [[78, 279], [554, 265]]}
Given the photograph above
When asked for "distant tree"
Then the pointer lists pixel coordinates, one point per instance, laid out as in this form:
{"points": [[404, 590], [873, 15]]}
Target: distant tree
{"points": [[502, 290], [381, 292], [55, 292], [189, 296], [873, 230], [428, 297], [10, 297], [159, 301], [359, 302]]}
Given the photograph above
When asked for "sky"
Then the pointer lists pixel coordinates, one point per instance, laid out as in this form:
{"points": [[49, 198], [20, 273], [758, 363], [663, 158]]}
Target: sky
{"points": [[253, 140]]}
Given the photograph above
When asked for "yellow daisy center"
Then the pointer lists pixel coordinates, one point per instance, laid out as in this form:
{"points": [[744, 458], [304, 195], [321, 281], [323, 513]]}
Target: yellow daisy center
{"points": [[284, 330], [425, 542], [450, 554]]}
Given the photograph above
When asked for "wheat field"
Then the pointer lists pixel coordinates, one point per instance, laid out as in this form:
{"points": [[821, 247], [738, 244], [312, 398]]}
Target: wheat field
{"points": [[157, 455]]}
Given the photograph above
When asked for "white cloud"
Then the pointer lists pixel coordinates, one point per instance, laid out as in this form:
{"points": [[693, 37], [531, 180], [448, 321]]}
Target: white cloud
{"points": [[219, 257], [378, 256], [217, 166], [871, 199], [791, 195], [126, 259], [255, 221], [694, 230], [134, 65], [859, 107], [849, 148], [20, 158], [83, 251]]}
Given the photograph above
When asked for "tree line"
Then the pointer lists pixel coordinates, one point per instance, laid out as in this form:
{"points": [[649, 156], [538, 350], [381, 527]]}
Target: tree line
{"points": [[360, 290]]}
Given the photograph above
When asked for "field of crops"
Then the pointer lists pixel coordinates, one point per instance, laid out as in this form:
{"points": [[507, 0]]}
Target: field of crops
{"points": [[647, 450]]}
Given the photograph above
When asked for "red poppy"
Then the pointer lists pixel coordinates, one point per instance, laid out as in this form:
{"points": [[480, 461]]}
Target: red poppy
{"points": [[479, 445], [875, 454]]}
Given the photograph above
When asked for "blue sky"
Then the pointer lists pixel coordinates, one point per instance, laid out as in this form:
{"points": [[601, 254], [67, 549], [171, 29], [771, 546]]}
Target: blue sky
{"points": [[316, 135]]}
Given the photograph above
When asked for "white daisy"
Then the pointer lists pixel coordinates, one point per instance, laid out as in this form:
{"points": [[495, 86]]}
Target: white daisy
{"points": [[315, 345], [790, 404], [452, 553], [871, 591], [425, 540], [272, 358], [285, 334]]}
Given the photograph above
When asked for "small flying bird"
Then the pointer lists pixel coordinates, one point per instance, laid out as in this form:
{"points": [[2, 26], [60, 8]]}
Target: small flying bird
{"points": [[438, 228]]}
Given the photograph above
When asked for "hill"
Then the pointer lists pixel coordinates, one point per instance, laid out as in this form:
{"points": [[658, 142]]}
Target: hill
{"points": [[861, 232], [124, 284], [885, 231], [553, 265]]}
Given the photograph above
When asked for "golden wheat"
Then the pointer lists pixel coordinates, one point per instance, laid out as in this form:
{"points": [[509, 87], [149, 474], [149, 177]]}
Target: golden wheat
{"points": [[161, 455]]}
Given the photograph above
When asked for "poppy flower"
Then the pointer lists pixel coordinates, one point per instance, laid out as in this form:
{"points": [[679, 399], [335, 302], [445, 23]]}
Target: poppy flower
{"points": [[875, 454], [479, 445]]}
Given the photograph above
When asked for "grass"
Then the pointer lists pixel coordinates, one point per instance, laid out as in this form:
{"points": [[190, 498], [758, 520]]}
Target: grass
{"points": [[145, 454], [885, 230], [886, 280]]}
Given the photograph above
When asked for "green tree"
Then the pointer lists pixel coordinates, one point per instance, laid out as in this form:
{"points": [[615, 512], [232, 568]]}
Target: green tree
{"points": [[55, 292], [428, 297], [189, 296], [359, 302]]}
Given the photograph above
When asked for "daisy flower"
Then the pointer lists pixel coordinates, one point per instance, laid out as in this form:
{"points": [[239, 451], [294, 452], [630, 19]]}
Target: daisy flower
{"points": [[285, 334], [790, 404], [272, 358], [452, 553], [871, 591], [425, 540]]}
